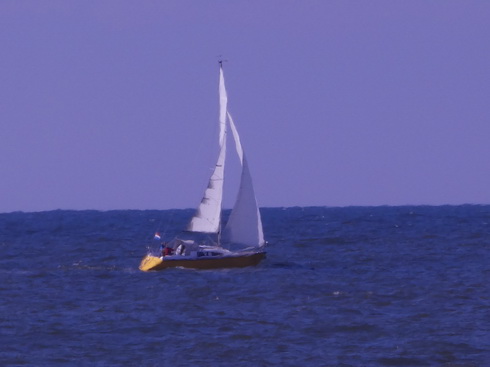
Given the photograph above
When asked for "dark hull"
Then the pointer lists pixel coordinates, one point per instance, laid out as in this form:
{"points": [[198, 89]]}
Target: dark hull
{"points": [[216, 262]]}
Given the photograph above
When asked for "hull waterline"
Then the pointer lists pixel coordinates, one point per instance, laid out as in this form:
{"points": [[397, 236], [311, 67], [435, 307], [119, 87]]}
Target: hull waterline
{"points": [[150, 263]]}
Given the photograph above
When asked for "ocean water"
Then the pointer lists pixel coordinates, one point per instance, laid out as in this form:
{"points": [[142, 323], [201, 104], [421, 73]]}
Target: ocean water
{"points": [[357, 286]]}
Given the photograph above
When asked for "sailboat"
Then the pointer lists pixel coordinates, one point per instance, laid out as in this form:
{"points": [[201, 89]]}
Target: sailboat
{"points": [[239, 243]]}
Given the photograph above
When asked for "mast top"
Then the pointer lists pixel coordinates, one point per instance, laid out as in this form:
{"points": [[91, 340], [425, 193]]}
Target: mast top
{"points": [[221, 61]]}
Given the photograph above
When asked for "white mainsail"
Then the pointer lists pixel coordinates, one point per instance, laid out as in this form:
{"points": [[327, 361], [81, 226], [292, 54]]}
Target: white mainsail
{"points": [[244, 225], [208, 215]]}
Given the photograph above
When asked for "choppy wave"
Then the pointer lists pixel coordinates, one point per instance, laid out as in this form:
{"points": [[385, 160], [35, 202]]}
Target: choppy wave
{"points": [[373, 286]]}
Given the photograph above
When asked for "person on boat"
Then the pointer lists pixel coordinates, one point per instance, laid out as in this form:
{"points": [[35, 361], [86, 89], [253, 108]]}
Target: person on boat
{"points": [[166, 251]]}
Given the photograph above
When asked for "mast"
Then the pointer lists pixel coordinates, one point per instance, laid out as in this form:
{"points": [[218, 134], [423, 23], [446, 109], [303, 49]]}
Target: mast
{"points": [[220, 61]]}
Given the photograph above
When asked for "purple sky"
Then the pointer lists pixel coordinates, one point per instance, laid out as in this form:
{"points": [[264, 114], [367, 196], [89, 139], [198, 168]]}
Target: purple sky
{"points": [[113, 104]]}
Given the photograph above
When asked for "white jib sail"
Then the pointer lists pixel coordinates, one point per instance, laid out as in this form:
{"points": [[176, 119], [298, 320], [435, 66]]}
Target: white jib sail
{"points": [[244, 225], [208, 214]]}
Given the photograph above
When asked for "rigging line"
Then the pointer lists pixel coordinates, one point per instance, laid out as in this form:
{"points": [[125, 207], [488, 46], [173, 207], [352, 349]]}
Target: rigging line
{"points": [[202, 157], [167, 224], [151, 242]]}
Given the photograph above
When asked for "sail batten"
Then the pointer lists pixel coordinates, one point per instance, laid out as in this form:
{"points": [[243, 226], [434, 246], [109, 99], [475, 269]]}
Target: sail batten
{"points": [[208, 215]]}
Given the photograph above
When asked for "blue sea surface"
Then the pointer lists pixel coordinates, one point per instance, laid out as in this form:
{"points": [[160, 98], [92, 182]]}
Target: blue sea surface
{"points": [[356, 286]]}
